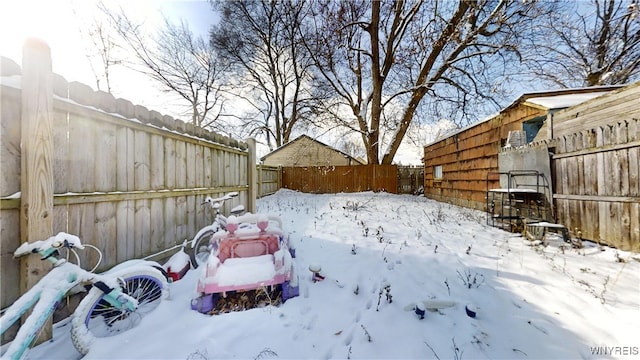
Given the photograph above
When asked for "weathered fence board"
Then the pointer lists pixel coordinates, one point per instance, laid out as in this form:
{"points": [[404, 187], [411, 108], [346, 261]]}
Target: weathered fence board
{"points": [[599, 200], [269, 179], [141, 159], [36, 170], [105, 155], [599, 112], [122, 184], [333, 179], [170, 163], [124, 235], [157, 162]]}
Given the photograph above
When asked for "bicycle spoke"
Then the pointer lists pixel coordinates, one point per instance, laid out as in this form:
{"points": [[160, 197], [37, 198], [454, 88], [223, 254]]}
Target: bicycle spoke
{"points": [[107, 320]]}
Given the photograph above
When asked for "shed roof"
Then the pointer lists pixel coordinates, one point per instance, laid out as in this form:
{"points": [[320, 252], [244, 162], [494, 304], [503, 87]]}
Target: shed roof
{"points": [[547, 99], [314, 140]]}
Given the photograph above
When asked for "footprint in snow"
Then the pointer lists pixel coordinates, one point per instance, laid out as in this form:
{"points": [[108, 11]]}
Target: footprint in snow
{"points": [[329, 355], [348, 338], [310, 325], [480, 339], [305, 310]]}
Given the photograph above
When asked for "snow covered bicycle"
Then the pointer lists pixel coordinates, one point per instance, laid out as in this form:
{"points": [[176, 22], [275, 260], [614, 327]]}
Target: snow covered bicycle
{"points": [[201, 243], [115, 302]]}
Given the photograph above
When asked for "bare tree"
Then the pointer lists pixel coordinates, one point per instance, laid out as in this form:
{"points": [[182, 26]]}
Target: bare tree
{"points": [[182, 63], [260, 38], [390, 62], [103, 51], [589, 43]]}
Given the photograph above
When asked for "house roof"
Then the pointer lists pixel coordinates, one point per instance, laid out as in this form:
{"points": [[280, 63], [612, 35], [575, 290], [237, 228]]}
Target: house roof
{"points": [[314, 140], [563, 98], [548, 100]]}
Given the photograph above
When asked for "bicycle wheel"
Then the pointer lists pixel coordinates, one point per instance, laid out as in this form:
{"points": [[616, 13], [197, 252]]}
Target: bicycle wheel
{"points": [[95, 317], [202, 247]]}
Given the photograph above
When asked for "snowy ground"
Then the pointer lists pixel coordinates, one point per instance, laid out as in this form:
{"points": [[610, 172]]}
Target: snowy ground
{"points": [[532, 302]]}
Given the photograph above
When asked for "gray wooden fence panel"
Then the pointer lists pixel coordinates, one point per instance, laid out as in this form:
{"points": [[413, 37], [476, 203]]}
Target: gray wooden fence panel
{"points": [[268, 180], [106, 158], [191, 169], [170, 163], [598, 200], [142, 161], [60, 152], [613, 107], [81, 154], [10, 129], [142, 228], [157, 162], [170, 228], [158, 241], [126, 186], [181, 164], [207, 166]]}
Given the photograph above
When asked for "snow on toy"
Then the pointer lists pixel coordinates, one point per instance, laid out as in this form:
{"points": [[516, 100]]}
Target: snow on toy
{"points": [[201, 243], [419, 310], [115, 302], [315, 270], [250, 265], [421, 307], [178, 264]]}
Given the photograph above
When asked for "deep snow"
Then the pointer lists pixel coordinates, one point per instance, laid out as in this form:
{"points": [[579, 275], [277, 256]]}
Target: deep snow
{"points": [[532, 302]]}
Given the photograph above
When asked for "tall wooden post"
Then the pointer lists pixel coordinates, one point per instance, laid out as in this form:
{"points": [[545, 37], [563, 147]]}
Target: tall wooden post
{"points": [[259, 181], [252, 175], [36, 203], [279, 177]]}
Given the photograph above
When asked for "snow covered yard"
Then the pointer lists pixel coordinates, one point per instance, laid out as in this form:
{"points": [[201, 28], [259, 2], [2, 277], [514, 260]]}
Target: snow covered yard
{"points": [[382, 254]]}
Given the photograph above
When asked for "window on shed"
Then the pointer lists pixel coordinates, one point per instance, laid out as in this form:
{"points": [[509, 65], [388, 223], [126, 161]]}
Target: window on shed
{"points": [[532, 127], [437, 172]]}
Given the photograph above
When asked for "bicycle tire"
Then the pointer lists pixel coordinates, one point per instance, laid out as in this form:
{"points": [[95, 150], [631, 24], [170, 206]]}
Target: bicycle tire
{"points": [[95, 317], [201, 248]]}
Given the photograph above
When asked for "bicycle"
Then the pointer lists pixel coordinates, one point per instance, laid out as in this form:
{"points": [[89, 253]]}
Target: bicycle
{"points": [[201, 242], [115, 302]]}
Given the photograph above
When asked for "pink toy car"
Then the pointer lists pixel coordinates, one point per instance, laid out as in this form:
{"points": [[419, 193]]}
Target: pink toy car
{"points": [[250, 264]]}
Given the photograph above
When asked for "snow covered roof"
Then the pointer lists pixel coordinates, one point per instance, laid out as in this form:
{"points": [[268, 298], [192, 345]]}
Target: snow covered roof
{"points": [[314, 140], [562, 98], [564, 101], [548, 99]]}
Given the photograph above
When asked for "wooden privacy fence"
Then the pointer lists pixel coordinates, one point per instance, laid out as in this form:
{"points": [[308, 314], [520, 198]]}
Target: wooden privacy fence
{"points": [[334, 179], [124, 179], [597, 191], [269, 179]]}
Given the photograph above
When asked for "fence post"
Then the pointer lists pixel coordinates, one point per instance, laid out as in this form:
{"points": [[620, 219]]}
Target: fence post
{"points": [[36, 205], [260, 179], [252, 176]]}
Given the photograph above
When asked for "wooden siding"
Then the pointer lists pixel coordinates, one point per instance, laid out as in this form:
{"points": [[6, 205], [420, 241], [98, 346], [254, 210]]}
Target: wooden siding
{"points": [[125, 179], [467, 156], [334, 179]]}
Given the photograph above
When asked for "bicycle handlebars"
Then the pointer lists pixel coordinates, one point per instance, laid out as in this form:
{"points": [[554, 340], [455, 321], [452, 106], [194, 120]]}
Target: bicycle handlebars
{"points": [[213, 201], [62, 239]]}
